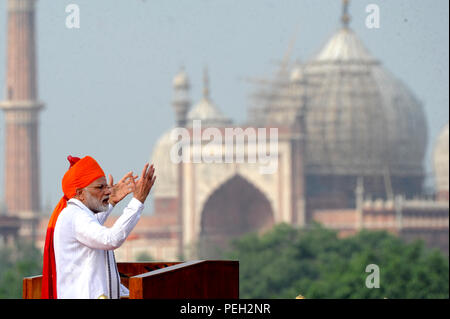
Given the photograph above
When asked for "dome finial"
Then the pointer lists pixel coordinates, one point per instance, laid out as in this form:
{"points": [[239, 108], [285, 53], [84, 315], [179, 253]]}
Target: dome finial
{"points": [[345, 19], [205, 83]]}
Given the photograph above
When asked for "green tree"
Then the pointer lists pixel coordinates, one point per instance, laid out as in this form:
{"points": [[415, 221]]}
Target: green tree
{"points": [[316, 263], [21, 260]]}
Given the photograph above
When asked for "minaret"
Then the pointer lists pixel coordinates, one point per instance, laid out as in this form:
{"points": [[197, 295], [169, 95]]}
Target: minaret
{"points": [[21, 108], [181, 102], [299, 85]]}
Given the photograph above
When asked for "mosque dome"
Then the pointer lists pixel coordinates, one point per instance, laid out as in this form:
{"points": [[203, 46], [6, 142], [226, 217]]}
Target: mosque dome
{"points": [[167, 170], [440, 159], [359, 118], [206, 111]]}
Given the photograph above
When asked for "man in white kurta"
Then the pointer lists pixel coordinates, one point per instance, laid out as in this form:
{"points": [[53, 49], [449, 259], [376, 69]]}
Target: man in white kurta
{"points": [[84, 257], [79, 257]]}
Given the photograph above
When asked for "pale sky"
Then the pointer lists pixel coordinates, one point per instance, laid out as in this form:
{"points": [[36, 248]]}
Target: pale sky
{"points": [[108, 85]]}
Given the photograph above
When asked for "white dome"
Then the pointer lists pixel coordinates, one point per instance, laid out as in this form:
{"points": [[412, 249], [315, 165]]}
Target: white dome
{"points": [[344, 46], [441, 161], [208, 113], [205, 110], [359, 119], [166, 170]]}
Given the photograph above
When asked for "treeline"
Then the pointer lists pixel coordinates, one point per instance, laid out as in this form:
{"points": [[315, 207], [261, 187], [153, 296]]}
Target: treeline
{"points": [[16, 262], [286, 262], [315, 263]]}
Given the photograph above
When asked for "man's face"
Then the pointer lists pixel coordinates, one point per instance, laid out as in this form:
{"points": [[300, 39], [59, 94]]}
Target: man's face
{"points": [[97, 195]]}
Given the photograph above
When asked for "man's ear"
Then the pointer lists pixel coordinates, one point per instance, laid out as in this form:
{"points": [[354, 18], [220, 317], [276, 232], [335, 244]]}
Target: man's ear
{"points": [[79, 194]]}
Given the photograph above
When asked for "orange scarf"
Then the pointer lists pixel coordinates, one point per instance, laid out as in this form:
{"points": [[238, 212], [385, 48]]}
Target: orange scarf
{"points": [[82, 172]]}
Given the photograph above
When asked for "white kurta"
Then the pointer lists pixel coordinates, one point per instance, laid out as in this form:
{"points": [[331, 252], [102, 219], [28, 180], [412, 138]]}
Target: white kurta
{"points": [[85, 264]]}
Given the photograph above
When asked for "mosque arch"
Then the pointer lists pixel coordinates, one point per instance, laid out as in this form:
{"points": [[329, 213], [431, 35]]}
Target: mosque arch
{"points": [[235, 208]]}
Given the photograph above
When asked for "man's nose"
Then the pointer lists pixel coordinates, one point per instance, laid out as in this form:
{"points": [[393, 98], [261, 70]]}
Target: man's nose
{"points": [[108, 190]]}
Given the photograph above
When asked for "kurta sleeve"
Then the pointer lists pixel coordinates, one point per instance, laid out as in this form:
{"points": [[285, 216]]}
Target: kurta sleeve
{"points": [[91, 233]]}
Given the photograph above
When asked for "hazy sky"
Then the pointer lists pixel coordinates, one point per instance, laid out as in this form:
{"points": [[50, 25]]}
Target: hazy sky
{"points": [[108, 85]]}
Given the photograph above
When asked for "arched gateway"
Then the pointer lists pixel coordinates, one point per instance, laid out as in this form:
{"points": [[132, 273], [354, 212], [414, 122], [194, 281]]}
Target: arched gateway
{"points": [[234, 209]]}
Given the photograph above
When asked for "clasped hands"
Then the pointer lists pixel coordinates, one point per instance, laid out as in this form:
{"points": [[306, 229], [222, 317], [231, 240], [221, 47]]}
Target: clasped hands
{"points": [[140, 187]]}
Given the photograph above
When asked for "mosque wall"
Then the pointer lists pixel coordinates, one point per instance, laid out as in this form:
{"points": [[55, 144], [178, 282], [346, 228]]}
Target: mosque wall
{"points": [[201, 180], [410, 219]]}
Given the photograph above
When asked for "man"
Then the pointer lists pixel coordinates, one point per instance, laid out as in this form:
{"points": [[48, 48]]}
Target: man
{"points": [[78, 255]]}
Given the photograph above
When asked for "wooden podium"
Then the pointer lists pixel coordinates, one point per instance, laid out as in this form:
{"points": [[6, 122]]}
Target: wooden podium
{"points": [[198, 279]]}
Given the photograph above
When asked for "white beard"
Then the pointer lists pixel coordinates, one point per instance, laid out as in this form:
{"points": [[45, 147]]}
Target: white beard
{"points": [[94, 204]]}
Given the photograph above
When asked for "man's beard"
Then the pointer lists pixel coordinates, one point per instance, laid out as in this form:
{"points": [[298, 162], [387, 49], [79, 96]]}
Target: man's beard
{"points": [[96, 205]]}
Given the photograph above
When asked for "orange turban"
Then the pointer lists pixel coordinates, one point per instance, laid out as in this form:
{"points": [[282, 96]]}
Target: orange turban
{"points": [[82, 172]]}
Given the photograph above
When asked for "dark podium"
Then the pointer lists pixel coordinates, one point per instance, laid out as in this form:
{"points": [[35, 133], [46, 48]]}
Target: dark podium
{"points": [[198, 279]]}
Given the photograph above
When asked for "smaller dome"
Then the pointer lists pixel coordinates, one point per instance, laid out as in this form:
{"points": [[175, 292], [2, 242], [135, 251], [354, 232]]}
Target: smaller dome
{"points": [[205, 110], [181, 80], [208, 113], [441, 161]]}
